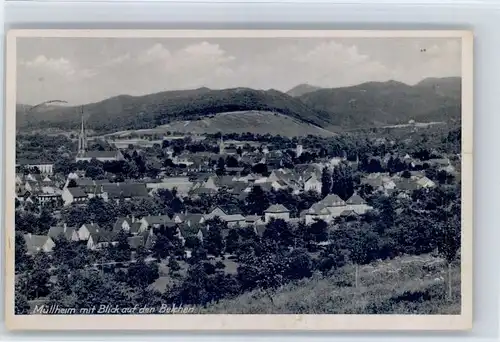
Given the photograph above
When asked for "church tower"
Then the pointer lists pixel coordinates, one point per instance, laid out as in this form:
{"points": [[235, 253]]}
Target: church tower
{"points": [[82, 139]]}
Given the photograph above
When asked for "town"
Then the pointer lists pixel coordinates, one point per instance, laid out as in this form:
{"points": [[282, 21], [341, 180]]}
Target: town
{"points": [[195, 219]]}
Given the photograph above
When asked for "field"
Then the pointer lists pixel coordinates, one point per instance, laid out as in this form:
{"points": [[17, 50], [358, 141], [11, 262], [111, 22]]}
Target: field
{"points": [[257, 122], [404, 285]]}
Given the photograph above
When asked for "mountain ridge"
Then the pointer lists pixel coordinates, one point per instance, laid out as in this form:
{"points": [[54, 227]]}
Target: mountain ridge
{"points": [[369, 103]]}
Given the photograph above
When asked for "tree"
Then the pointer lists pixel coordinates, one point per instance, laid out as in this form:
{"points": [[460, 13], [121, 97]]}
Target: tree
{"points": [[173, 266], [221, 167], [141, 274], [167, 243], [406, 174], [299, 264], [192, 242], [343, 181], [94, 172], [232, 241], [35, 284], [22, 260], [326, 182], [22, 306], [318, 231], [278, 232], [214, 242], [122, 251], [257, 201], [72, 183], [362, 248], [449, 244]]}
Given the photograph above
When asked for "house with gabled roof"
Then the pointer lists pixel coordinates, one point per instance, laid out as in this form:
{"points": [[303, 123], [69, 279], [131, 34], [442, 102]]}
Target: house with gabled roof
{"points": [[38, 243], [87, 229], [74, 195], [122, 223], [101, 239], [118, 191], [151, 222], [276, 211], [357, 204], [69, 233], [313, 183]]}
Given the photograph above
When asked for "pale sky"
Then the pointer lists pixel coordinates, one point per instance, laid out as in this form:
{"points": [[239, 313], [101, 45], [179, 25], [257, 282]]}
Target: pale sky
{"points": [[85, 70]]}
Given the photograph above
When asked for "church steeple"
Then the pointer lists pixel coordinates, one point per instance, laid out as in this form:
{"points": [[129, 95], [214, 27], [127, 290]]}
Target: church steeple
{"points": [[82, 138]]}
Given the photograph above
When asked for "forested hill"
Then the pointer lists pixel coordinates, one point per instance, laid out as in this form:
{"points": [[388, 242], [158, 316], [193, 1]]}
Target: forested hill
{"points": [[134, 112], [364, 105], [382, 103]]}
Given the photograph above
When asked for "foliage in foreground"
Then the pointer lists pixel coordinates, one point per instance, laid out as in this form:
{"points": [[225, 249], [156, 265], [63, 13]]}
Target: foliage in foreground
{"points": [[409, 285]]}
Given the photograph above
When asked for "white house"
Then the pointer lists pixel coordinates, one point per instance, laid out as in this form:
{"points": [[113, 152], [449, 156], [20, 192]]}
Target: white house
{"points": [[87, 229], [313, 183], [276, 211], [74, 195], [101, 239], [38, 243], [70, 233]]}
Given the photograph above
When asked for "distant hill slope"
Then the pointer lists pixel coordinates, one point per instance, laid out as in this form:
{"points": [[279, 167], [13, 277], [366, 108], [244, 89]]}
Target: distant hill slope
{"points": [[364, 105], [379, 103], [135, 112], [257, 122], [446, 86], [302, 89]]}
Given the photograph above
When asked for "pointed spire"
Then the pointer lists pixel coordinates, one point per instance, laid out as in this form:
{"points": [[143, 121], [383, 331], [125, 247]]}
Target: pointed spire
{"points": [[82, 139]]}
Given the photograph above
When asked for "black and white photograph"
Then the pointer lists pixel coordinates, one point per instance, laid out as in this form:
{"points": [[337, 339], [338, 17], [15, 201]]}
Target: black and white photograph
{"points": [[195, 174]]}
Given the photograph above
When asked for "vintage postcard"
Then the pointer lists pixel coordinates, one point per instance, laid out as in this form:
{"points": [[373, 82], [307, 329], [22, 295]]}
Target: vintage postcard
{"points": [[238, 180]]}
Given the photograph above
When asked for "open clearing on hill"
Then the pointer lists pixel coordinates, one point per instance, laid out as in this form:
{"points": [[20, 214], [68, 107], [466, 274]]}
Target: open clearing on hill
{"points": [[257, 122]]}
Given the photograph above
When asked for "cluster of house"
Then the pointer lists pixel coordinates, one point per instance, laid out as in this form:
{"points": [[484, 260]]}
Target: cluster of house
{"points": [[332, 207], [142, 232], [302, 178]]}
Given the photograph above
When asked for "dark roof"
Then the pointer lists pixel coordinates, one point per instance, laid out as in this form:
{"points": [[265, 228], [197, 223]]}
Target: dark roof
{"points": [[134, 228], [100, 154], [252, 218], [33, 162], [277, 208], [159, 220], [348, 213], [103, 236], [55, 232], [355, 199], [186, 230], [93, 228], [136, 241], [125, 190], [77, 192], [35, 242], [193, 218], [332, 200], [406, 184], [119, 222]]}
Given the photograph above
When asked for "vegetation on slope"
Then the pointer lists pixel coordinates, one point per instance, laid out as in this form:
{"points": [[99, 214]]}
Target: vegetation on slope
{"points": [[302, 89], [407, 285], [129, 112], [364, 105], [378, 103]]}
